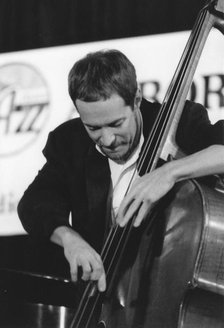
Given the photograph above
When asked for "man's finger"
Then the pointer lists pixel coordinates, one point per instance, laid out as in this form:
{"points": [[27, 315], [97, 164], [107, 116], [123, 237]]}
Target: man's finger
{"points": [[74, 272], [144, 209], [129, 213], [126, 203], [86, 268], [102, 283]]}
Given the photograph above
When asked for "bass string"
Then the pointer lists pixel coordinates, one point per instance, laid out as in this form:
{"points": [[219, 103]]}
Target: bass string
{"points": [[83, 306], [127, 229], [112, 236], [166, 109], [185, 58]]}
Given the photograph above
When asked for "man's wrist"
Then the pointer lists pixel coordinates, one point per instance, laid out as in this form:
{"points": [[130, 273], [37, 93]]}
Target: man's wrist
{"points": [[63, 235]]}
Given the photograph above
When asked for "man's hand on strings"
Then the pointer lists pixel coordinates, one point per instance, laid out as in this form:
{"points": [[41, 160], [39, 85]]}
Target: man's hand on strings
{"points": [[80, 254], [144, 193]]}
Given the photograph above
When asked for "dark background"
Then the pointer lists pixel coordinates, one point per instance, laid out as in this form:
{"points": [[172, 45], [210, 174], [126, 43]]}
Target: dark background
{"points": [[29, 24]]}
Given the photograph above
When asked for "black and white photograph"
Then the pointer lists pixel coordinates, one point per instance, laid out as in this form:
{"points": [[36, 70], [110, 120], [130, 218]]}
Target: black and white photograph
{"points": [[111, 164]]}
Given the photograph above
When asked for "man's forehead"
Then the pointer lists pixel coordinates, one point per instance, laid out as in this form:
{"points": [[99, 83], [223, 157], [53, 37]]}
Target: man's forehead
{"points": [[113, 98], [102, 111]]}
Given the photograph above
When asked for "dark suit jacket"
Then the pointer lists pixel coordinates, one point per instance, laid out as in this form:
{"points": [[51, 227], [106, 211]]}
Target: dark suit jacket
{"points": [[76, 177]]}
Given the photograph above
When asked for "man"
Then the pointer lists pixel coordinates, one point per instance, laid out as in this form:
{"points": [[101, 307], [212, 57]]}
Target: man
{"points": [[94, 156]]}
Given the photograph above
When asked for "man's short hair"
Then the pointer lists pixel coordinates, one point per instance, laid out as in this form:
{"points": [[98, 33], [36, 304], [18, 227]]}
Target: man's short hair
{"points": [[100, 74]]}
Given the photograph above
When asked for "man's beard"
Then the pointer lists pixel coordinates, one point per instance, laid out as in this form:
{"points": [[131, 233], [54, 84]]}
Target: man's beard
{"points": [[123, 158]]}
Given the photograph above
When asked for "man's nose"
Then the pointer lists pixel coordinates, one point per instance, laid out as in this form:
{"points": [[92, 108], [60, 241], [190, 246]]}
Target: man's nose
{"points": [[107, 137]]}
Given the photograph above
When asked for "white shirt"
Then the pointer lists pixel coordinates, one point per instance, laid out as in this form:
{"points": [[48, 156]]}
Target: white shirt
{"points": [[122, 175]]}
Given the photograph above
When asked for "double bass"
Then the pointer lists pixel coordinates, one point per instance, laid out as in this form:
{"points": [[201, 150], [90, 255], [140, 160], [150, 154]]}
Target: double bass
{"points": [[175, 275]]}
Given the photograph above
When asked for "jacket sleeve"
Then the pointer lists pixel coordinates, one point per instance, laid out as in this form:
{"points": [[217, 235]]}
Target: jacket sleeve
{"points": [[45, 204], [195, 131]]}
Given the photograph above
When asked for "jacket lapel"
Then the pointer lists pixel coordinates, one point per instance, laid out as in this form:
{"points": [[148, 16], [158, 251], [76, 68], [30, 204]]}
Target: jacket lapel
{"points": [[97, 182]]}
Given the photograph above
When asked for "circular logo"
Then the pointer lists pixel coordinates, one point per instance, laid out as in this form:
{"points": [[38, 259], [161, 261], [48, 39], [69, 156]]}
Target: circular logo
{"points": [[24, 106]]}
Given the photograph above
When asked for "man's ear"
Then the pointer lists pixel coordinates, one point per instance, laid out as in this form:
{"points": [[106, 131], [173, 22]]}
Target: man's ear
{"points": [[138, 98]]}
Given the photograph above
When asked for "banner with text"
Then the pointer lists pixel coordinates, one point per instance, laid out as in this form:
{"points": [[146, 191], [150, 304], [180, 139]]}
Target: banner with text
{"points": [[34, 99]]}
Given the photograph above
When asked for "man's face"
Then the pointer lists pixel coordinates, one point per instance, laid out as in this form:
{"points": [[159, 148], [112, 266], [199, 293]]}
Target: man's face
{"points": [[112, 125]]}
